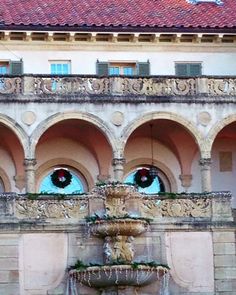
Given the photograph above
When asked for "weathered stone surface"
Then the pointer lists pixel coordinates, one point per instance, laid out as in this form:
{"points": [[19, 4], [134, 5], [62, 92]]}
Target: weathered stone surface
{"points": [[225, 285], [8, 263], [225, 273], [223, 237], [224, 249], [9, 239], [9, 289], [8, 251], [225, 260]]}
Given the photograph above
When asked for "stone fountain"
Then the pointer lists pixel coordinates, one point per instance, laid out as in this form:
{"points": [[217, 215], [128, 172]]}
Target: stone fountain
{"points": [[118, 229]]}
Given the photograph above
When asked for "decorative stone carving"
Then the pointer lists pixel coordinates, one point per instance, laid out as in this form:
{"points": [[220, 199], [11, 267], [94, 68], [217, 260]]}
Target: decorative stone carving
{"points": [[84, 85], [65, 85], [176, 208], [222, 86], [204, 118], [117, 86], [117, 118], [159, 86], [205, 162], [118, 248], [51, 208], [115, 207], [28, 118], [10, 85]]}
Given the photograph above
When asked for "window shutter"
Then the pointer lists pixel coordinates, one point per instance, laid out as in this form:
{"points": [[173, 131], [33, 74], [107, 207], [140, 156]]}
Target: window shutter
{"points": [[195, 69], [102, 68], [143, 68], [16, 67], [181, 70]]}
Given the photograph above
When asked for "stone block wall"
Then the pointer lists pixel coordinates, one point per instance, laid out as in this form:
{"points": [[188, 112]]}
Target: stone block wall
{"points": [[9, 264], [224, 262]]}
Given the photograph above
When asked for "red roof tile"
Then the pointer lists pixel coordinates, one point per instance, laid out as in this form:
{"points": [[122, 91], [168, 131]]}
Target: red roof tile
{"points": [[132, 13]]}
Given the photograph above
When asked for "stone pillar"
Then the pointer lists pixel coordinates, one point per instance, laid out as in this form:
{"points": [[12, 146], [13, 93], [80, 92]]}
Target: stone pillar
{"points": [[30, 175], [205, 164], [118, 164], [186, 181]]}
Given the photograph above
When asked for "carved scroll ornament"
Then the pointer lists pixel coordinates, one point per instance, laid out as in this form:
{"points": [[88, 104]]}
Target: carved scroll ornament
{"points": [[10, 85], [51, 208], [176, 208]]}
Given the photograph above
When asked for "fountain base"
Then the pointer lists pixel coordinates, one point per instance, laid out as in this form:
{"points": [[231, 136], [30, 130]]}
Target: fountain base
{"points": [[118, 275]]}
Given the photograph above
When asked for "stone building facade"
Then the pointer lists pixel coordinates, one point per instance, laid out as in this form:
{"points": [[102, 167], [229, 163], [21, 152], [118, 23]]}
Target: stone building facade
{"points": [[103, 95]]}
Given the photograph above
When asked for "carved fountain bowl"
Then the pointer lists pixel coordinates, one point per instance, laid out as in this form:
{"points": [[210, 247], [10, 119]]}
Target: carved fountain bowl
{"points": [[118, 190], [123, 227], [118, 275]]}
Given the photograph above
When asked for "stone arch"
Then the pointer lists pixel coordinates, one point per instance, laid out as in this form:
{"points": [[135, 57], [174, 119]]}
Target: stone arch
{"points": [[210, 138], [162, 115], [59, 117], [18, 131], [68, 162], [141, 161]]}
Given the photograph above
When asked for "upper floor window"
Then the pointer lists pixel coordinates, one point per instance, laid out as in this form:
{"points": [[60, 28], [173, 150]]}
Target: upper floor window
{"points": [[11, 67], [218, 2], [4, 68], [123, 68], [188, 69], [60, 67]]}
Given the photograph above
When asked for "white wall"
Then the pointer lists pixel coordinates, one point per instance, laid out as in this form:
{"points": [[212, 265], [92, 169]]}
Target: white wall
{"points": [[161, 62]]}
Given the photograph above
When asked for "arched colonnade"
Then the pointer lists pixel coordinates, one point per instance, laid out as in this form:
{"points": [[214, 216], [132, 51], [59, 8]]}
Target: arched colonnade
{"points": [[89, 145]]}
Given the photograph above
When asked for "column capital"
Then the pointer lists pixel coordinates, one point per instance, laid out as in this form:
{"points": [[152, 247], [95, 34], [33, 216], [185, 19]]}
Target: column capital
{"points": [[205, 162], [118, 161], [30, 162]]}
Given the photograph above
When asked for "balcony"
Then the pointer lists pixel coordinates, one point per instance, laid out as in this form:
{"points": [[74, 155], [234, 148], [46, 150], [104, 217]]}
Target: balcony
{"points": [[196, 211], [47, 88]]}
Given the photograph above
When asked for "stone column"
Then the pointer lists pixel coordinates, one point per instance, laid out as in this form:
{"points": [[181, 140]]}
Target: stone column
{"points": [[205, 164], [118, 164], [30, 175]]}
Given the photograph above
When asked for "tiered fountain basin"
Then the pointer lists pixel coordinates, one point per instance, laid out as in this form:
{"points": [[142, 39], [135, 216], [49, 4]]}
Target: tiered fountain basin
{"points": [[114, 227], [117, 191], [118, 275]]}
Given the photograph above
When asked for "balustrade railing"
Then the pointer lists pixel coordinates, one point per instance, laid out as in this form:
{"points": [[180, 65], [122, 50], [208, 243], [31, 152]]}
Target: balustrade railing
{"points": [[214, 206], [118, 86]]}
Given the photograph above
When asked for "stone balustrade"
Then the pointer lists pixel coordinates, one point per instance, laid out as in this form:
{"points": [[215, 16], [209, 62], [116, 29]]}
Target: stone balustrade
{"points": [[29, 87], [208, 207]]}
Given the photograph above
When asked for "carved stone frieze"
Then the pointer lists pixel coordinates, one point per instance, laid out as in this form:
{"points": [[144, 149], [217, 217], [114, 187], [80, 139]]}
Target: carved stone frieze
{"points": [[10, 85], [65, 85], [93, 85], [176, 208], [159, 86], [222, 86], [51, 208]]}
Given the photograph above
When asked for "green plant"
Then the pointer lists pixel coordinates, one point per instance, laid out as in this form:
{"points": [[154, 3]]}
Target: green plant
{"points": [[96, 218], [79, 265], [32, 196]]}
